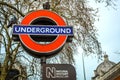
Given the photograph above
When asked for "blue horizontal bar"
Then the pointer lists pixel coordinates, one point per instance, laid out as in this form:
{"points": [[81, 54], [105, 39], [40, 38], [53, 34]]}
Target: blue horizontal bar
{"points": [[42, 30]]}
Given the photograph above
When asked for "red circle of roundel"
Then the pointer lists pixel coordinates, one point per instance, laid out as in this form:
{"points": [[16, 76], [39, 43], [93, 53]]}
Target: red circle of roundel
{"points": [[43, 48]]}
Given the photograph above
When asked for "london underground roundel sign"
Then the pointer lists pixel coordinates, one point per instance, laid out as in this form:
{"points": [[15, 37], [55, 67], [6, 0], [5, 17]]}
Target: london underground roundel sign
{"points": [[38, 49]]}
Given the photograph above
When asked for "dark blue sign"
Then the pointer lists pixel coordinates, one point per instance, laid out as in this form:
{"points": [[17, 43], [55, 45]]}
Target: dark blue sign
{"points": [[42, 30]]}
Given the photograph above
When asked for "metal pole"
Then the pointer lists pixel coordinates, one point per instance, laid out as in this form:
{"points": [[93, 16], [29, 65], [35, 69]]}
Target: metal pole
{"points": [[0, 43], [83, 67], [43, 61]]}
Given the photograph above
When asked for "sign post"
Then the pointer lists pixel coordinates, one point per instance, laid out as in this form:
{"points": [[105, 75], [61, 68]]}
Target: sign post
{"points": [[47, 27], [43, 62]]}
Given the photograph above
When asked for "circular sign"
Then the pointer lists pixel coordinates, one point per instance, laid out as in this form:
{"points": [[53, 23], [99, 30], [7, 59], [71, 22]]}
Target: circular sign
{"points": [[43, 49]]}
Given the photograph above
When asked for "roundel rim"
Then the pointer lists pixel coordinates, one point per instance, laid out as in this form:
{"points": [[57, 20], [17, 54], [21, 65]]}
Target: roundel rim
{"points": [[43, 48]]}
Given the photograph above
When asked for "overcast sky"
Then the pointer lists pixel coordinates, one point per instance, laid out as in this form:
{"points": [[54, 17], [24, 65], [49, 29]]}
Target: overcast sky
{"points": [[109, 36]]}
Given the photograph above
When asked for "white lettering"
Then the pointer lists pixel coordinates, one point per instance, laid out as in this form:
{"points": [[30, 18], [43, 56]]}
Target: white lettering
{"points": [[17, 29], [50, 72], [23, 29], [43, 30]]}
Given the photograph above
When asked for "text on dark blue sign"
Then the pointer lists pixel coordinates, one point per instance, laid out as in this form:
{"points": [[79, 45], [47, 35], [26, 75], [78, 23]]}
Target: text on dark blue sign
{"points": [[42, 30]]}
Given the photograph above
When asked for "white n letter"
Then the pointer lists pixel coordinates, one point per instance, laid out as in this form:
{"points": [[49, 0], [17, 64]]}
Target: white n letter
{"points": [[50, 72]]}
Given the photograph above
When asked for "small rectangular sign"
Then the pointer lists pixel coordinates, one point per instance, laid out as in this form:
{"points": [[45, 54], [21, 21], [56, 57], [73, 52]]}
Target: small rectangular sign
{"points": [[58, 72], [42, 30]]}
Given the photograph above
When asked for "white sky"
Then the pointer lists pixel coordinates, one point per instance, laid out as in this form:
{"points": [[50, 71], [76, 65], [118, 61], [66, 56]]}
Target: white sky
{"points": [[109, 36]]}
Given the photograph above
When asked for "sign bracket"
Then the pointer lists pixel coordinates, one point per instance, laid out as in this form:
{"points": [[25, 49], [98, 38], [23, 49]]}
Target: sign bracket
{"points": [[43, 62]]}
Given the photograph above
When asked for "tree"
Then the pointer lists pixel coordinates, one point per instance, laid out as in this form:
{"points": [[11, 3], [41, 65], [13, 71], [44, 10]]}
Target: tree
{"points": [[75, 13]]}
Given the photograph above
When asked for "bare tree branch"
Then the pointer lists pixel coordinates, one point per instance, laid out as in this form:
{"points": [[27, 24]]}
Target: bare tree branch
{"points": [[12, 7]]}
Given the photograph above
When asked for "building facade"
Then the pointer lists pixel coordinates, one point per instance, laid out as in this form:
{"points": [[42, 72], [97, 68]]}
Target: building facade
{"points": [[107, 70]]}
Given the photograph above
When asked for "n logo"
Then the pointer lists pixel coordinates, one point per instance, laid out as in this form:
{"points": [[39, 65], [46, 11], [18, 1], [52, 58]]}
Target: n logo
{"points": [[50, 72]]}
